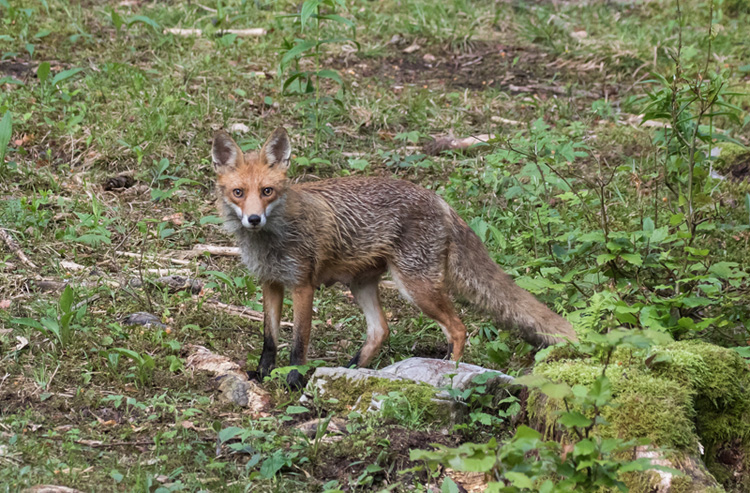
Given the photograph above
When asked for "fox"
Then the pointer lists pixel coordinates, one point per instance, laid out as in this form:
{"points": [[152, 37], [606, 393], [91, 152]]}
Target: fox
{"points": [[353, 230]]}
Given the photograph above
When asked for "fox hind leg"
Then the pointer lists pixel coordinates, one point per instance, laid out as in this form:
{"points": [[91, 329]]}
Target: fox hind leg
{"points": [[430, 297], [367, 296]]}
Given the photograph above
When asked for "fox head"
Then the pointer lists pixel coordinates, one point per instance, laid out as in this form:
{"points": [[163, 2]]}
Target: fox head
{"points": [[253, 184]]}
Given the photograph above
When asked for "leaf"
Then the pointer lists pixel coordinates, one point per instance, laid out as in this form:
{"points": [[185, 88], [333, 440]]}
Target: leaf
{"points": [[556, 390], [633, 258], [604, 258], [519, 480], [116, 475], [66, 299], [648, 225], [659, 235], [574, 418], [6, 130], [142, 19], [42, 72], [298, 49], [309, 7], [724, 270], [229, 433], [584, 447], [273, 464], [330, 74], [449, 486], [297, 410], [28, 322], [65, 74]]}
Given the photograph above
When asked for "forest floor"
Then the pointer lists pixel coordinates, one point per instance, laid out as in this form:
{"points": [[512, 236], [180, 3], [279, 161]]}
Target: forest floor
{"points": [[107, 185]]}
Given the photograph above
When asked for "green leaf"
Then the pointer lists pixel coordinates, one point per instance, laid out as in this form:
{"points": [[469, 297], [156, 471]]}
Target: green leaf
{"points": [[648, 224], [142, 19], [42, 72], [66, 299], [519, 480], [556, 390], [584, 447], [449, 486], [297, 410], [6, 130], [296, 50], [604, 258], [659, 235], [116, 475], [633, 258], [309, 7], [574, 418], [330, 74], [28, 322], [229, 433], [65, 74]]}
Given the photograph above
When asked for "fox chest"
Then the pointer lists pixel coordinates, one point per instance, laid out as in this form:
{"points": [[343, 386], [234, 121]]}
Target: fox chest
{"points": [[268, 261]]}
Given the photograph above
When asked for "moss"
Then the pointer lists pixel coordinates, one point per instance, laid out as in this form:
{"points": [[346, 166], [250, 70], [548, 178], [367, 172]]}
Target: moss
{"points": [[730, 155], [689, 392], [357, 394]]}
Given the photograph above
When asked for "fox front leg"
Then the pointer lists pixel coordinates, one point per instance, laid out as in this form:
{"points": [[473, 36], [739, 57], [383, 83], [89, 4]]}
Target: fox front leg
{"points": [[273, 298], [302, 302]]}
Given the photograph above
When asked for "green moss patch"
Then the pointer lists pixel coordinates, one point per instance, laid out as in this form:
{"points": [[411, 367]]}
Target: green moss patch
{"points": [[682, 396]]}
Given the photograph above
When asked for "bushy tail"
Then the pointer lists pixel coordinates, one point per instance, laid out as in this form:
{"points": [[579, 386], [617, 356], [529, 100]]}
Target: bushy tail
{"points": [[474, 276]]}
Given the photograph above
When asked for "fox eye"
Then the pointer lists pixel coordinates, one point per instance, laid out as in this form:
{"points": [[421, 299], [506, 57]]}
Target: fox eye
{"points": [[267, 191], [237, 192]]}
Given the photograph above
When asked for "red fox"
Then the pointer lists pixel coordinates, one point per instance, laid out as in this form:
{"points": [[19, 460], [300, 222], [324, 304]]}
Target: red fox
{"points": [[353, 230]]}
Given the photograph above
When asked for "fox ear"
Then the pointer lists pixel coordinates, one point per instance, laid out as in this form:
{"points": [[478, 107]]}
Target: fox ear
{"points": [[277, 150], [225, 153]]}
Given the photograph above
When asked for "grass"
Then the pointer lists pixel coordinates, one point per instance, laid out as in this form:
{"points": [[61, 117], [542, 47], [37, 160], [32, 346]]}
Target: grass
{"points": [[542, 76]]}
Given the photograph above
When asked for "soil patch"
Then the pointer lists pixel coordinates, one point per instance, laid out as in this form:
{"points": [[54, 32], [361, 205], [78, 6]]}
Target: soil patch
{"points": [[17, 69], [741, 169], [389, 448], [512, 69]]}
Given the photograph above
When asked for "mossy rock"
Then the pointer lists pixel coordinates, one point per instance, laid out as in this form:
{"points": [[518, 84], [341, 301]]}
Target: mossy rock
{"points": [[345, 390], [732, 160], [685, 397]]}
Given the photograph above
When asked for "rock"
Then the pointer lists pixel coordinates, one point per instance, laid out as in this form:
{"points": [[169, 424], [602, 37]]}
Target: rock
{"points": [[422, 381], [233, 383], [235, 388], [179, 283], [335, 429], [145, 319], [441, 373]]}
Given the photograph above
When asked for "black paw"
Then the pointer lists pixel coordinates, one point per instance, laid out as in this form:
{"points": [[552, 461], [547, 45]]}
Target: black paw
{"points": [[354, 362], [294, 380], [450, 352]]}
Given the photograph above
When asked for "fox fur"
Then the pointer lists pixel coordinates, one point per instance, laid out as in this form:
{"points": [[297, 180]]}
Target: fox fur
{"points": [[352, 231]]}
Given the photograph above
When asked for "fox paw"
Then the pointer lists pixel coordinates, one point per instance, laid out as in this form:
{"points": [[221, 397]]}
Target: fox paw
{"points": [[294, 380]]}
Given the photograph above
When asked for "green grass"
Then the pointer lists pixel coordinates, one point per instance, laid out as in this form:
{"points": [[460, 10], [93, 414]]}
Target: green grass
{"points": [[559, 82]]}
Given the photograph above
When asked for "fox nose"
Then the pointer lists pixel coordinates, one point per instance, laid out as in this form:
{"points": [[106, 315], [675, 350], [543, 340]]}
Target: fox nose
{"points": [[254, 219]]}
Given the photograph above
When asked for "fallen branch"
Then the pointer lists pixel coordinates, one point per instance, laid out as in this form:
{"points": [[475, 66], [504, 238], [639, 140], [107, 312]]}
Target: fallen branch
{"points": [[450, 143], [153, 257], [238, 311], [16, 249], [252, 32], [198, 250]]}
